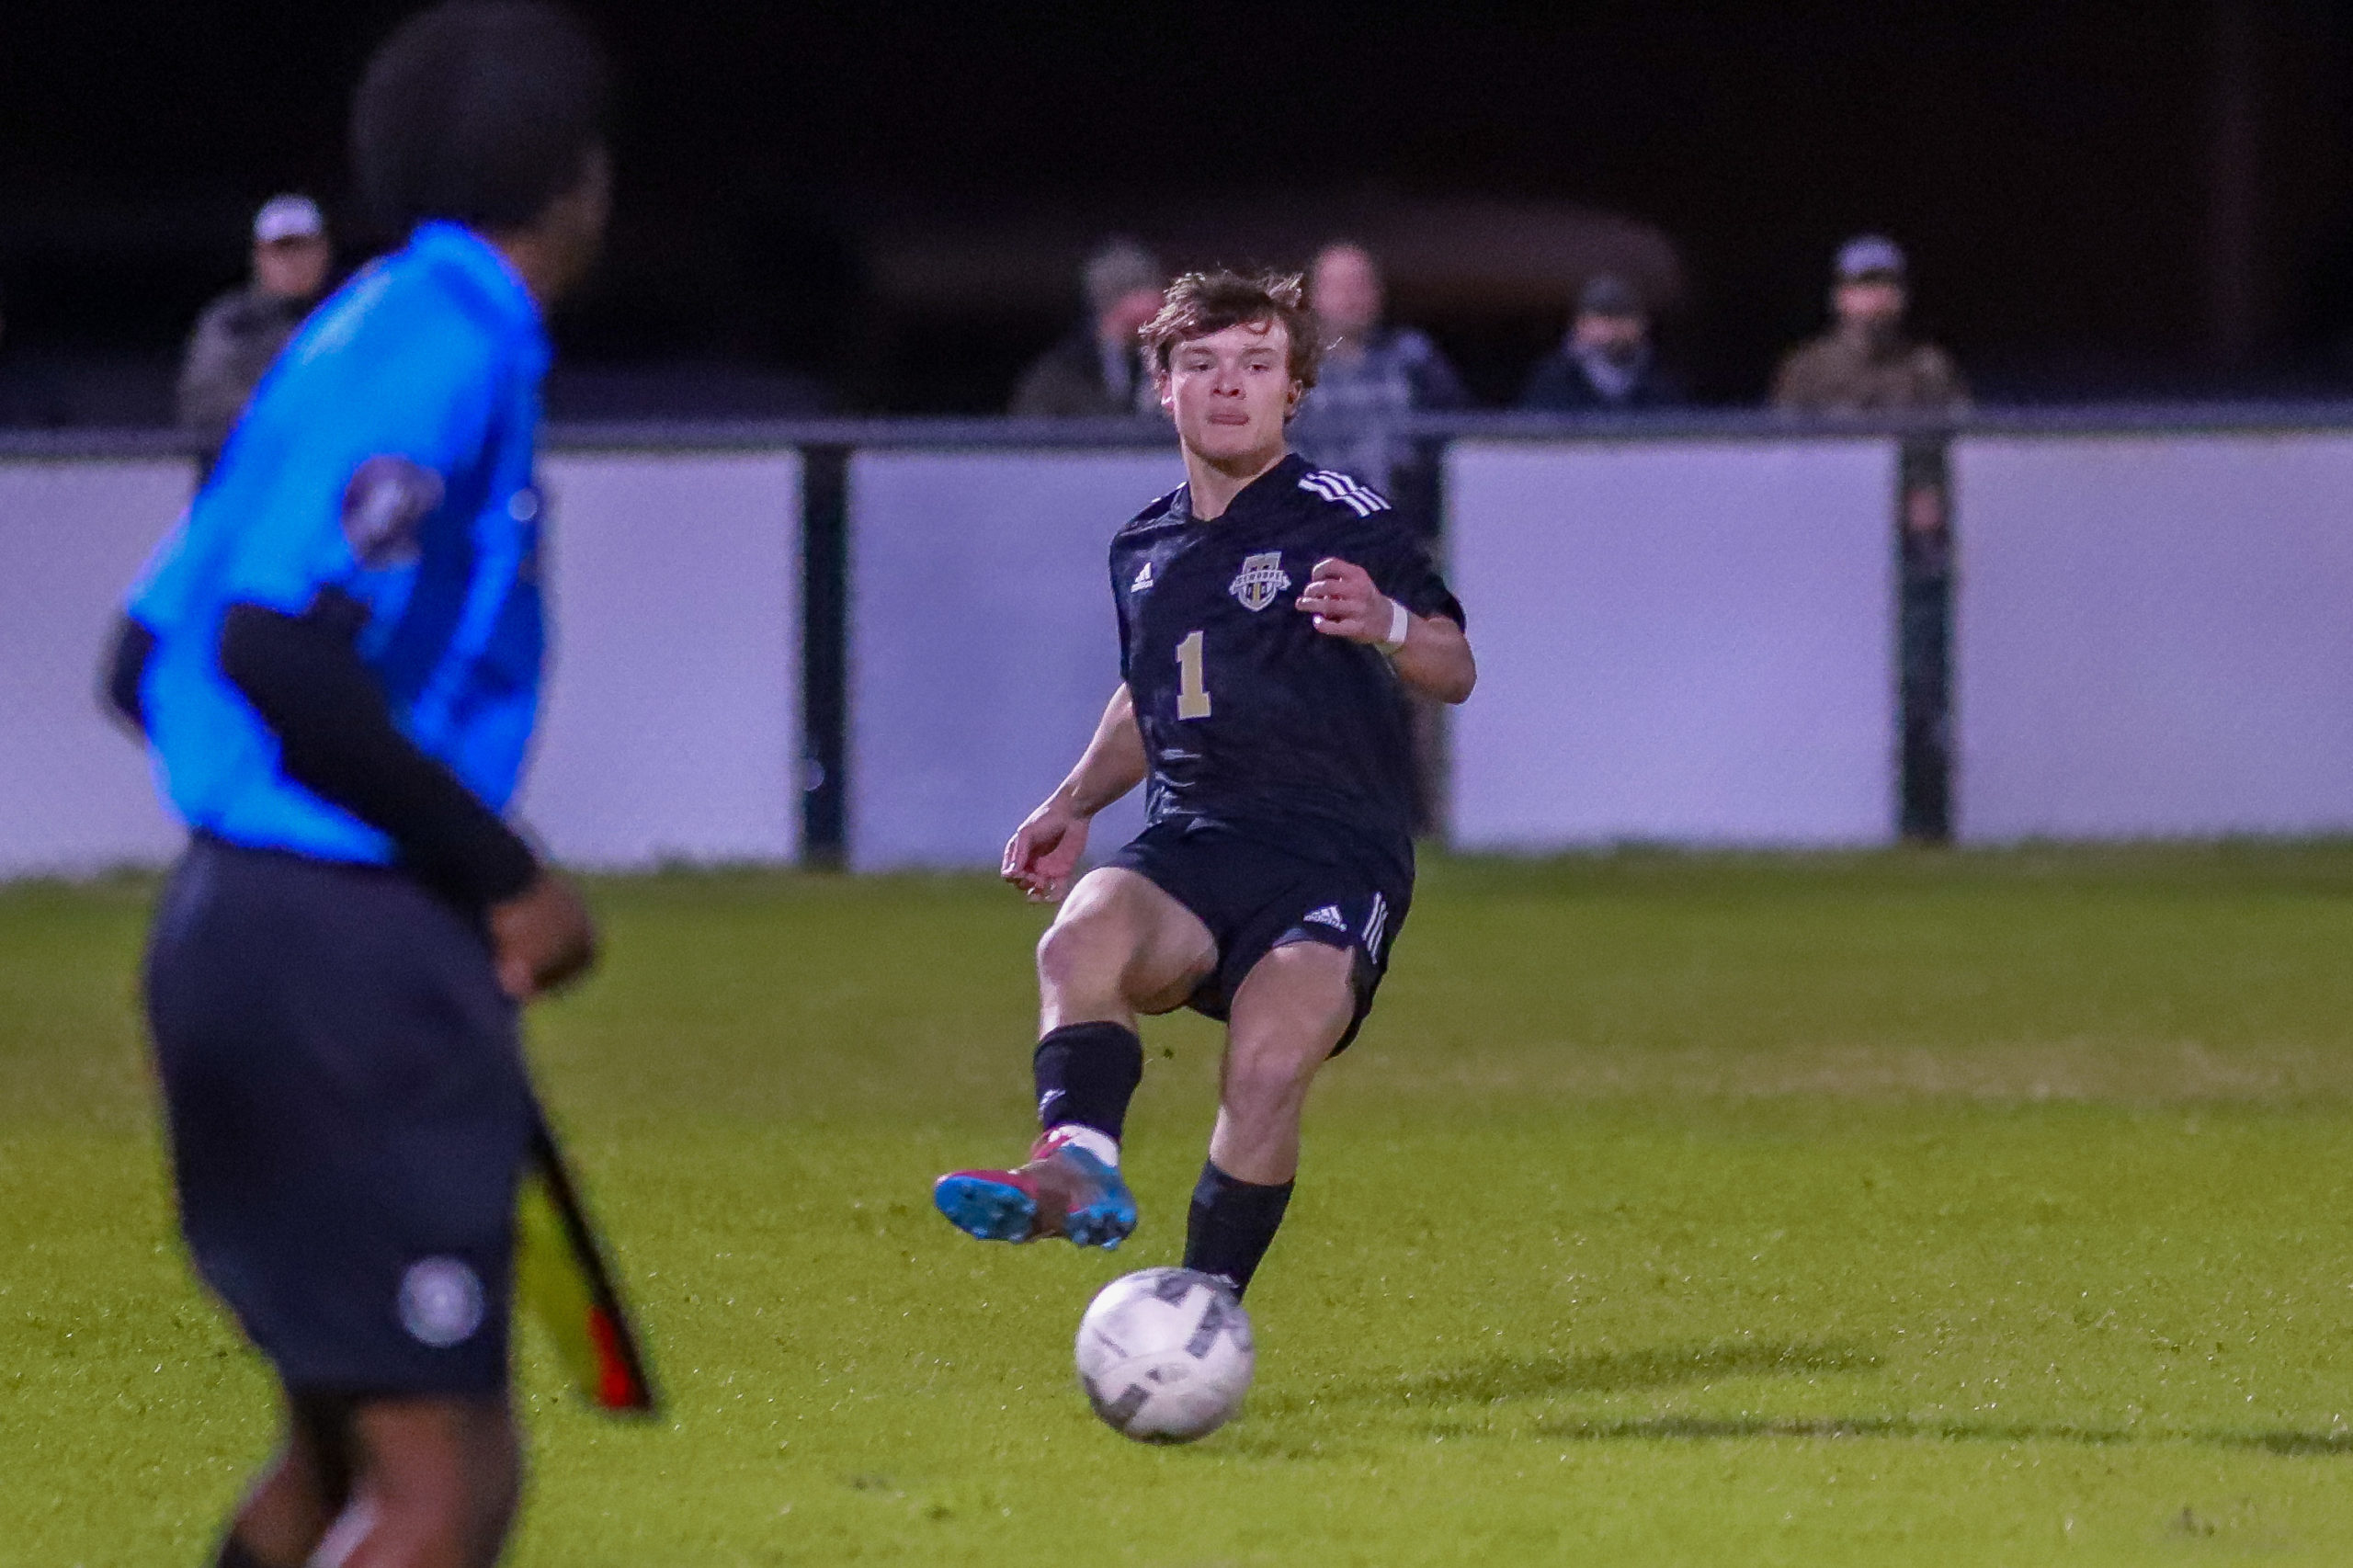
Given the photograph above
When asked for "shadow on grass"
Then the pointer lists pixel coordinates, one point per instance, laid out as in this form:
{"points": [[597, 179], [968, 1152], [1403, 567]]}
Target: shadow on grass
{"points": [[1704, 1428], [1501, 1378], [1617, 1371], [2291, 1445]]}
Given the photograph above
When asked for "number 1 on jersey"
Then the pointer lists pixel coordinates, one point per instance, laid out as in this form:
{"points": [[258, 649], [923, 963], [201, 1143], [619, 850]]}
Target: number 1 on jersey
{"points": [[1192, 689]]}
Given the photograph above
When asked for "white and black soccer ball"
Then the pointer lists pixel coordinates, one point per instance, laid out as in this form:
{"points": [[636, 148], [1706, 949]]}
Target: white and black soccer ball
{"points": [[1164, 1355]]}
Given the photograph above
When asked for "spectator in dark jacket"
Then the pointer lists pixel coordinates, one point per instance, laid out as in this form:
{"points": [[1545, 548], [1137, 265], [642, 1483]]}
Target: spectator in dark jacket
{"points": [[1099, 369], [240, 334], [1607, 361]]}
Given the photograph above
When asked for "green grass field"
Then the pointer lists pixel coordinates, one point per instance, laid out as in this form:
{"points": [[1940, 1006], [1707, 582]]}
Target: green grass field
{"points": [[1893, 1209]]}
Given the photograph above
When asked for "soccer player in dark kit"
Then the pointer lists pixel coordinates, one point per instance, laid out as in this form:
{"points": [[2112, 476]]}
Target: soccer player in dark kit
{"points": [[1272, 618], [336, 660]]}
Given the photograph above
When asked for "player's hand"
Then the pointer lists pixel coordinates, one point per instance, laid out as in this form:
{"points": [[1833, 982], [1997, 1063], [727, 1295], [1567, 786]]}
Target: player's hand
{"points": [[542, 938], [1045, 851], [1344, 603]]}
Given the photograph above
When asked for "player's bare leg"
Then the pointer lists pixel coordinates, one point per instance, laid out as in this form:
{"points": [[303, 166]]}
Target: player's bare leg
{"points": [[436, 1487], [1120, 946], [1289, 1014], [289, 1511]]}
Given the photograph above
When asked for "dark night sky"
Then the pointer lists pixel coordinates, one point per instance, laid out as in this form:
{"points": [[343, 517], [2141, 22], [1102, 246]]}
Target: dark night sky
{"points": [[2050, 166]]}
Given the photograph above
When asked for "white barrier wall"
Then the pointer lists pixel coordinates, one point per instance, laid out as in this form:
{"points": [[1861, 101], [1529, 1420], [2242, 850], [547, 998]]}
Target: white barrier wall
{"points": [[1686, 642], [2154, 635], [981, 641], [672, 730], [74, 791]]}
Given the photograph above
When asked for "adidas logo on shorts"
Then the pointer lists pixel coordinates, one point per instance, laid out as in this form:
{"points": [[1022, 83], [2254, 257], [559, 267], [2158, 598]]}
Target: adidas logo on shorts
{"points": [[1328, 916]]}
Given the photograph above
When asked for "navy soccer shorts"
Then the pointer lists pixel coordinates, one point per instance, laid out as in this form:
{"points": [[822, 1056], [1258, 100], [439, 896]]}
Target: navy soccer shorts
{"points": [[349, 1115], [1256, 895]]}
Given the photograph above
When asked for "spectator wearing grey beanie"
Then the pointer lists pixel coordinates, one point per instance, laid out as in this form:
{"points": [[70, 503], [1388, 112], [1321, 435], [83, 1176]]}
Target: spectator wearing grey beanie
{"points": [[1098, 370]]}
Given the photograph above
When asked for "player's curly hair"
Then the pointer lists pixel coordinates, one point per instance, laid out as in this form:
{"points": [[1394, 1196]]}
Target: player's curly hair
{"points": [[482, 111], [1200, 303]]}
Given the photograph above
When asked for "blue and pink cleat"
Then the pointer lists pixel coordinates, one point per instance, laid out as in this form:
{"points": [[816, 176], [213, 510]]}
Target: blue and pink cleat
{"points": [[1063, 1191]]}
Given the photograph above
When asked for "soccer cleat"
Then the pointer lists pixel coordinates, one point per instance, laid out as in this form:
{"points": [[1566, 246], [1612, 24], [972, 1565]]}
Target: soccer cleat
{"points": [[1063, 1191]]}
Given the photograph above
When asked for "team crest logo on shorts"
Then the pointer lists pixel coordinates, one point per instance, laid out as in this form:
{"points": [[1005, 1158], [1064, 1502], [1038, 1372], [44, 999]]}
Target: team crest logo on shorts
{"points": [[1260, 579], [441, 1301]]}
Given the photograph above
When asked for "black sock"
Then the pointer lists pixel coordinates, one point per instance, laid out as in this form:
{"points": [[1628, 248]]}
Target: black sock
{"points": [[1086, 1074], [1232, 1224]]}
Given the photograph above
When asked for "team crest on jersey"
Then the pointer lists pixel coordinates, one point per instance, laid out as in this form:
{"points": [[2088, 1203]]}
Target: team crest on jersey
{"points": [[1260, 579], [384, 508]]}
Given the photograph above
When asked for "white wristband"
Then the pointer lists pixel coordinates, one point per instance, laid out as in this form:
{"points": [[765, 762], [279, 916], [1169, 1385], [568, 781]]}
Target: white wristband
{"points": [[1400, 626]]}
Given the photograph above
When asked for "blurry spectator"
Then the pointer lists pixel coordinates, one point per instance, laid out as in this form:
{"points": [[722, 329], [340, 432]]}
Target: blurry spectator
{"points": [[240, 334], [1607, 361], [1371, 374], [1865, 364], [1100, 367]]}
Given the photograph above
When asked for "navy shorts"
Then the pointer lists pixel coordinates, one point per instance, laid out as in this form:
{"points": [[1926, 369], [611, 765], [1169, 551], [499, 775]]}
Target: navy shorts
{"points": [[349, 1115], [1255, 896]]}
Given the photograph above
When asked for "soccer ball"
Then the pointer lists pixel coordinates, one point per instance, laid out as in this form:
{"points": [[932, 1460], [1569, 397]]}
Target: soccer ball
{"points": [[1164, 1355]]}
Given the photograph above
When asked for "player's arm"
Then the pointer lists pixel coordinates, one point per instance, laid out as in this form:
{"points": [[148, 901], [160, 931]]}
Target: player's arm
{"points": [[126, 673], [324, 562], [1045, 851], [336, 736], [1431, 653]]}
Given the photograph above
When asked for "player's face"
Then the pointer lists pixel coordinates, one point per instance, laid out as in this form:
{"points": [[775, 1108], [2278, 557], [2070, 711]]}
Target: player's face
{"points": [[1231, 392]]}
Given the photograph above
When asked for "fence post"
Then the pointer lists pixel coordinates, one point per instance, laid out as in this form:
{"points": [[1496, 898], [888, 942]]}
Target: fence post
{"points": [[1925, 556], [825, 656]]}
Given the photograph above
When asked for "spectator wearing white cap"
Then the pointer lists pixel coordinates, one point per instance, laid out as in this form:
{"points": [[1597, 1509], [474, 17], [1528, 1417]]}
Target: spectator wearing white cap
{"points": [[240, 334], [1865, 363]]}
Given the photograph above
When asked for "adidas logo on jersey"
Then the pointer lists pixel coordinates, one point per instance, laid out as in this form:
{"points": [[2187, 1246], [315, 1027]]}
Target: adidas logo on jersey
{"points": [[1143, 580], [1333, 486], [1328, 916]]}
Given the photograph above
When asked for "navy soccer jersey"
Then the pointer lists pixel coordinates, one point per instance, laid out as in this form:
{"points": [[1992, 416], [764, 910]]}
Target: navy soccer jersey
{"points": [[1250, 716], [386, 456]]}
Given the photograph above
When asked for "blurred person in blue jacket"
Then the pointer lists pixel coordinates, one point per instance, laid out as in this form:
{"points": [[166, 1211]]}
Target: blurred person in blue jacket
{"points": [[1373, 373]]}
